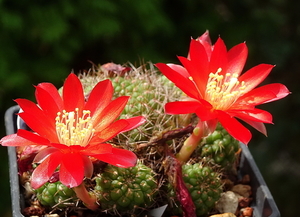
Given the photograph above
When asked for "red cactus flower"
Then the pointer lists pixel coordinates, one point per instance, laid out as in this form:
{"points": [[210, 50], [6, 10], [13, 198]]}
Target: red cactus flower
{"points": [[211, 78], [73, 129]]}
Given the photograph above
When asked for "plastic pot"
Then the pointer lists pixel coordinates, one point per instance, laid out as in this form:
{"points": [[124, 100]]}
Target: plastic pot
{"points": [[263, 203]]}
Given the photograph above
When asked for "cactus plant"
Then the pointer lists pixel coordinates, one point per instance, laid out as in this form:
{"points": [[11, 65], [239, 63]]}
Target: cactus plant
{"points": [[149, 92], [55, 195], [219, 148], [204, 185], [126, 190]]}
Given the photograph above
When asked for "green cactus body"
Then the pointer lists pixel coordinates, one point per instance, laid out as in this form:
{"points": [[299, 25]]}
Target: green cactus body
{"points": [[55, 194], [148, 91], [219, 148], [204, 186], [124, 190]]}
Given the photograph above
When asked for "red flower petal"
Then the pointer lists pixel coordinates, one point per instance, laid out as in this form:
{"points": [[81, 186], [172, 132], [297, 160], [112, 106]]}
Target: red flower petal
{"points": [[63, 146], [198, 71], [43, 154], [183, 83], [51, 89], [255, 76], [199, 59], [73, 93], [34, 138], [49, 100], [212, 124], [237, 57], [251, 100], [263, 94], [197, 52], [36, 119], [110, 131], [71, 172], [258, 126], [110, 113], [279, 91], [88, 166], [204, 39], [15, 140], [39, 126], [218, 57], [205, 113], [180, 69], [133, 123], [97, 148], [234, 128], [99, 97], [45, 170], [181, 107], [253, 115], [119, 157]]}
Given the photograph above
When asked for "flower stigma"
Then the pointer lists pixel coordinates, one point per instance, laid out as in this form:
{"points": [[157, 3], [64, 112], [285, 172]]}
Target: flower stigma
{"points": [[223, 90], [72, 129]]}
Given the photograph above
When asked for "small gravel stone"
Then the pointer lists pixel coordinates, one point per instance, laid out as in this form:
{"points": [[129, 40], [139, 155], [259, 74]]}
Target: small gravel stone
{"points": [[243, 190], [228, 214], [228, 202], [246, 212]]}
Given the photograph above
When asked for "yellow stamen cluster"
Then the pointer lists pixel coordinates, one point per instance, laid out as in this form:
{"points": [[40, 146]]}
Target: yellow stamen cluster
{"points": [[222, 91], [74, 130]]}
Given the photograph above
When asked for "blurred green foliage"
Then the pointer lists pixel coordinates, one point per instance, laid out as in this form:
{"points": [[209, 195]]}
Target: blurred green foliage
{"points": [[45, 40]]}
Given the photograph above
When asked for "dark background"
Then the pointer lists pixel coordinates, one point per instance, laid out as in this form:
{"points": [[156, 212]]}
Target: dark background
{"points": [[44, 40]]}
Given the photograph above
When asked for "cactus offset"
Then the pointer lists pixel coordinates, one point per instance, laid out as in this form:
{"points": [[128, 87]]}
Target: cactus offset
{"points": [[219, 148], [204, 185], [55, 194], [126, 190]]}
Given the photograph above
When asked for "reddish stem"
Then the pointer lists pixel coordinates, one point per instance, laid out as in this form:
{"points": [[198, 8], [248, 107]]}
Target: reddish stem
{"points": [[191, 143], [87, 198]]}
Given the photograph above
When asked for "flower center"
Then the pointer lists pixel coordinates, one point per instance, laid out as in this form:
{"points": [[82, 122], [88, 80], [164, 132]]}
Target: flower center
{"points": [[222, 91], [74, 130]]}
